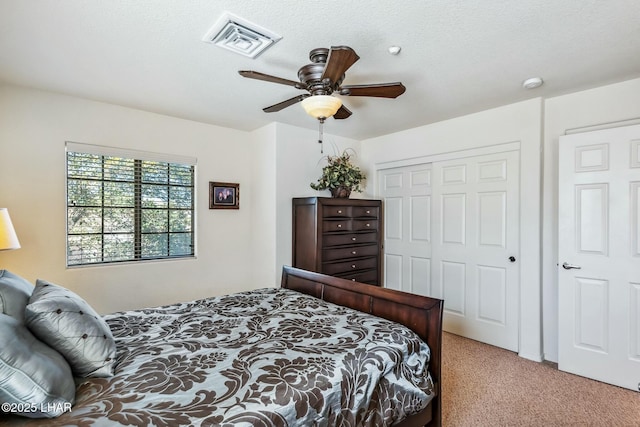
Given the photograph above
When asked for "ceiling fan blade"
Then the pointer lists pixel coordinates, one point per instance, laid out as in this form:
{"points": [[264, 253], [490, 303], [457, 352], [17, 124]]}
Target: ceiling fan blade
{"points": [[342, 113], [339, 60], [381, 90], [284, 104], [273, 79]]}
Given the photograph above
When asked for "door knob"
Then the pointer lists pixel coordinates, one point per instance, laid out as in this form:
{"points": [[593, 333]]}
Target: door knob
{"points": [[512, 259], [568, 266]]}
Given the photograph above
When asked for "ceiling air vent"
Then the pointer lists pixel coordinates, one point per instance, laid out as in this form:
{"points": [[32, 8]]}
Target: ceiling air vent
{"points": [[240, 36]]}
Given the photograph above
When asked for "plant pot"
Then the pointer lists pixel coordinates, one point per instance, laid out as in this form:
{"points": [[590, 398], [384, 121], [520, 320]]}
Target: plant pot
{"points": [[340, 192]]}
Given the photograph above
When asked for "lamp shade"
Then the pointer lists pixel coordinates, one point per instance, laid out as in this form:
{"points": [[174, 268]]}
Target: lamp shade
{"points": [[321, 106], [8, 238]]}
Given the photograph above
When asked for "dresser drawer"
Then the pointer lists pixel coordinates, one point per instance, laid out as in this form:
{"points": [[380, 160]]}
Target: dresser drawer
{"points": [[333, 226], [351, 252], [369, 277], [365, 211], [364, 224], [336, 211], [350, 239], [334, 268]]}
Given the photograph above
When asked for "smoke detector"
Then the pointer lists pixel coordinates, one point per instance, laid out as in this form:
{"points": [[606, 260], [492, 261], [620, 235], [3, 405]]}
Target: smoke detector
{"points": [[240, 36], [532, 83]]}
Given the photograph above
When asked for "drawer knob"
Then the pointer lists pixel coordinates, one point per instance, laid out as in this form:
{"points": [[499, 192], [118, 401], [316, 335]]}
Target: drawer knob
{"points": [[353, 239], [368, 212], [354, 252], [339, 225], [368, 225], [353, 280], [353, 266], [339, 211]]}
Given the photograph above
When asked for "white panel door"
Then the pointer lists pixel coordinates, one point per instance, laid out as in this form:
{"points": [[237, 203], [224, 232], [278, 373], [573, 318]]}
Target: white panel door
{"points": [[474, 266], [406, 194], [599, 255]]}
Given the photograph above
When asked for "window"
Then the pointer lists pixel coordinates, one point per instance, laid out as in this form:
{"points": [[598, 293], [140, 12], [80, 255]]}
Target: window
{"points": [[125, 205]]}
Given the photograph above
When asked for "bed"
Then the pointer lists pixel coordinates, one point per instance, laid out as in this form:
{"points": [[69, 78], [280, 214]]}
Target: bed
{"points": [[318, 351]]}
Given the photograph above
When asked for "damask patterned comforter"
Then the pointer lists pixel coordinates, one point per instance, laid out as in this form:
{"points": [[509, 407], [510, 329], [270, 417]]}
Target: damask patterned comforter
{"points": [[269, 357]]}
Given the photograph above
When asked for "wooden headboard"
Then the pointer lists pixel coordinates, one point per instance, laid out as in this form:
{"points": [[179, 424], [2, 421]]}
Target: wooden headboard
{"points": [[421, 314]]}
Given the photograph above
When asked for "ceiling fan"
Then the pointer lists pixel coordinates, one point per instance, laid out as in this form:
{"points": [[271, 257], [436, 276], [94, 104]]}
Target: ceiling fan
{"points": [[321, 79]]}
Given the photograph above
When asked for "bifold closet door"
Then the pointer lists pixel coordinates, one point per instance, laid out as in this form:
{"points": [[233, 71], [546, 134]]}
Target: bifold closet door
{"points": [[452, 231], [475, 219], [406, 194]]}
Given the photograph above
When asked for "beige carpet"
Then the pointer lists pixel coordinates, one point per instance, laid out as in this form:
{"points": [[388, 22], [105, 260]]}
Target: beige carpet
{"points": [[483, 385]]}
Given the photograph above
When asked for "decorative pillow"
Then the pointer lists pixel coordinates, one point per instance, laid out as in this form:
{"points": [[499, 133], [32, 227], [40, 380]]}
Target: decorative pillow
{"points": [[67, 323], [35, 380], [14, 294]]}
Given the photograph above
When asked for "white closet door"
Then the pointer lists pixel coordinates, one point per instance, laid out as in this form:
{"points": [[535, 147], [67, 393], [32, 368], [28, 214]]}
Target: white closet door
{"points": [[406, 194], [475, 223], [452, 232], [599, 255]]}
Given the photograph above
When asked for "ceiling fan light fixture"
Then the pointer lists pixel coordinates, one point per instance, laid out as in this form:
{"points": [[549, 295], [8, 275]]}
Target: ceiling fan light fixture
{"points": [[321, 106]]}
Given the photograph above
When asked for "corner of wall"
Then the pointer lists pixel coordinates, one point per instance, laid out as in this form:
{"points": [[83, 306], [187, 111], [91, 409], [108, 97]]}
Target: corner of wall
{"points": [[298, 163], [263, 215]]}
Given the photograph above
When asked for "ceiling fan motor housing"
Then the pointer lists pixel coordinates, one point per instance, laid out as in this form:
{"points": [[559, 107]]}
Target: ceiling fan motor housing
{"points": [[311, 74]]}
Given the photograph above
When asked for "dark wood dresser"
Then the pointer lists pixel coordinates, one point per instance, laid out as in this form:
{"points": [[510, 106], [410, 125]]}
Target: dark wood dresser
{"points": [[339, 237]]}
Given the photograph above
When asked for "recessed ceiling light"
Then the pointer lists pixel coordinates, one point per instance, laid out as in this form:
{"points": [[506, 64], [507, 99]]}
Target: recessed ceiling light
{"points": [[532, 83]]}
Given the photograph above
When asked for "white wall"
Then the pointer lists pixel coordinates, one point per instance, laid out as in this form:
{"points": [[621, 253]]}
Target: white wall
{"points": [[34, 126], [520, 122], [609, 106]]}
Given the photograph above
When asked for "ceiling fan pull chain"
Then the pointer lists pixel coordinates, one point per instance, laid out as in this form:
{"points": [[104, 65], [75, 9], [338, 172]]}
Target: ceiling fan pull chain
{"points": [[320, 135]]}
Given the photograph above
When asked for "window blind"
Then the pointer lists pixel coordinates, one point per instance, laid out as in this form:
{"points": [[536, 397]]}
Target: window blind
{"points": [[128, 205]]}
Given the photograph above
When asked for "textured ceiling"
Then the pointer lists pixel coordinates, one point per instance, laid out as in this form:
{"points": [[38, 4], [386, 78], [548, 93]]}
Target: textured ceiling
{"points": [[458, 56]]}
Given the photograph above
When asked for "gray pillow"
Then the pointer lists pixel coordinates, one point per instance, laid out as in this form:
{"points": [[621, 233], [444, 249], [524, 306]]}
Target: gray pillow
{"points": [[34, 378], [67, 323], [14, 294]]}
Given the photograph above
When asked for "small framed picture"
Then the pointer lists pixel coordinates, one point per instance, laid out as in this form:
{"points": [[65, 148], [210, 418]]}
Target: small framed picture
{"points": [[224, 195]]}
